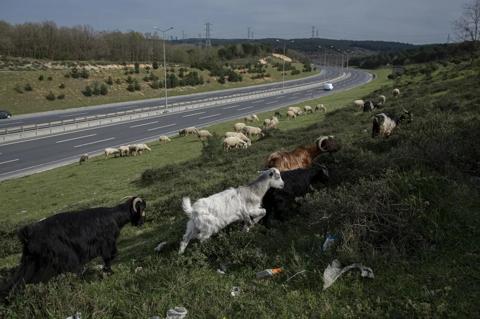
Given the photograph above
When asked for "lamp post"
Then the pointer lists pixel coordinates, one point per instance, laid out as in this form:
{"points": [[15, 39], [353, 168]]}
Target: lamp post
{"points": [[284, 56], [164, 64]]}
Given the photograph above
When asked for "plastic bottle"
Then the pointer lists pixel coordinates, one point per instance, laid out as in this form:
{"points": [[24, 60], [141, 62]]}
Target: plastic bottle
{"points": [[268, 273]]}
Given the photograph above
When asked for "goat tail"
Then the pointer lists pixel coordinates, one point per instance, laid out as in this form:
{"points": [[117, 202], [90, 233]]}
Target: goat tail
{"points": [[187, 206]]}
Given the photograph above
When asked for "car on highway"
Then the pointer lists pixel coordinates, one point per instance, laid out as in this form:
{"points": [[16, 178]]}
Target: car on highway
{"points": [[5, 114], [328, 86]]}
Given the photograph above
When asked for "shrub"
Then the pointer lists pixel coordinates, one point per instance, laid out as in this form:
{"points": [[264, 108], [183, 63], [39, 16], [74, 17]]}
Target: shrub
{"points": [[49, 78], [155, 84], [61, 86], [18, 88], [41, 77], [118, 81], [28, 87], [129, 80], [109, 81], [50, 96], [96, 88], [137, 86], [61, 96], [131, 87], [137, 67], [88, 91], [85, 74], [67, 75], [295, 72], [103, 89]]}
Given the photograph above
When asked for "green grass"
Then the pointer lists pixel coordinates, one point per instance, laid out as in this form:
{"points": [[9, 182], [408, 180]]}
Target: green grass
{"points": [[35, 100], [407, 207]]}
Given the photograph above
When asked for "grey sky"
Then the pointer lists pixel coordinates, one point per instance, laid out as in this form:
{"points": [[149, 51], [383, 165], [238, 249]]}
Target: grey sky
{"points": [[414, 21]]}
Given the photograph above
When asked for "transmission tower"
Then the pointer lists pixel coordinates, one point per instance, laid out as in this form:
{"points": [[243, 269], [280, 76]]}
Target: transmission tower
{"points": [[313, 31], [208, 43]]}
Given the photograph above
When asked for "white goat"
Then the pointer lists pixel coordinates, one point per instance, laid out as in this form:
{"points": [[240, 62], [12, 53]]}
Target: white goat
{"points": [[211, 214]]}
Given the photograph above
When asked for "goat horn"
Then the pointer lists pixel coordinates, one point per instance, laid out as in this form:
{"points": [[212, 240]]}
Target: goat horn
{"points": [[128, 196], [134, 203], [320, 141]]}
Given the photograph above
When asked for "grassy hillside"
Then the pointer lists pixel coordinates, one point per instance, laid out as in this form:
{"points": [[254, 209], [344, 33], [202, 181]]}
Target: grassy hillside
{"points": [[18, 100], [407, 207]]}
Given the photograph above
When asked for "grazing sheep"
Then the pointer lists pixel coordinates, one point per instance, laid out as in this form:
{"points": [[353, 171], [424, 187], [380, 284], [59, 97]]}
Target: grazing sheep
{"points": [[308, 109], [137, 149], [319, 107], [65, 242], [291, 115], [192, 130], [382, 99], [359, 104], [124, 150], [234, 142], [239, 126], [111, 151], [239, 135], [384, 124], [302, 157], [252, 131], [164, 139], [295, 109], [273, 124], [83, 158], [251, 118], [266, 122], [300, 113], [396, 92], [277, 114], [280, 202], [369, 106], [204, 134], [207, 216]]}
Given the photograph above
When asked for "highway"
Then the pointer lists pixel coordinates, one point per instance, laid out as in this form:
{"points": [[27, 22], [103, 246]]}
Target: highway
{"points": [[28, 156]]}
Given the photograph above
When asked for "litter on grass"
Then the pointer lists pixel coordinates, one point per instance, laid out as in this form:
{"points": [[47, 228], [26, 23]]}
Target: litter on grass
{"points": [[328, 243], [160, 246], [335, 270], [77, 315], [235, 291], [268, 273], [177, 313]]}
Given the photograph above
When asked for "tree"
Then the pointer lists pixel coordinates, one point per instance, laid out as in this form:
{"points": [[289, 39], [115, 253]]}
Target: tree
{"points": [[467, 26]]}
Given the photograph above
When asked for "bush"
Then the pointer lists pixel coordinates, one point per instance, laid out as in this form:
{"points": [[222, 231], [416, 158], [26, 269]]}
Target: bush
{"points": [[137, 86], [118, 81], [41, 77], [131, 87], [155, 85], [129, 80], [295, 72], [49, 78], [88, 91], [137, 67], [85, 74], [67, 75], [96, 88], [109, 81], [28, 87], [18, 88], [61, 96], [103, 89], [50, 96]]}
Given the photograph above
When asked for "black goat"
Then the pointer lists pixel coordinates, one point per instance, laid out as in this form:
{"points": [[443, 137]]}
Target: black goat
{"points": [[65, 242], [278, 202]]}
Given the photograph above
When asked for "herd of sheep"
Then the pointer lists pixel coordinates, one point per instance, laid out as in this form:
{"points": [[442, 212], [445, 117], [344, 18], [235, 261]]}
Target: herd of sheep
{"points": [[65, 242]]}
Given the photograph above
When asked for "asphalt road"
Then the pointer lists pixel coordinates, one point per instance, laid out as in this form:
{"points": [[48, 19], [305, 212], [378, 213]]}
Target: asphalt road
{"points": [[38, 154]]}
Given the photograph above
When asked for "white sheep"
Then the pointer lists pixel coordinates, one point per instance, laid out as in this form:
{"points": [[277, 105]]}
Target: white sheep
{"points": [[164, 139], [300, 113], [308, 109], [319, 107], [382, 99], [239, 135], [251, 118], [204, 134], [396, 92], [359, 104], [192, 130], [273, 123], [266, 122], [111, 151], [124, 150], [208, 215], [291, 115], [252, 131], [234, 142], [239, 126], [137, 149], [295, 109]]}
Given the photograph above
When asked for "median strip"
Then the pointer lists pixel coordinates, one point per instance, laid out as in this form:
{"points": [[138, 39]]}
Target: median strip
{"points": [[100, 141]]}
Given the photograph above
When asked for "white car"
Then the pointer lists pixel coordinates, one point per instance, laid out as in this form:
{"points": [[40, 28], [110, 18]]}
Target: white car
{"points": [[328, 86]]}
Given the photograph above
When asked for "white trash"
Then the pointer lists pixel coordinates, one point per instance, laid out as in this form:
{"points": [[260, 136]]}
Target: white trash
{"points": [[335, 270], [160, 246], [77, 315], [235, 291], [328, 243], [177, 313]]}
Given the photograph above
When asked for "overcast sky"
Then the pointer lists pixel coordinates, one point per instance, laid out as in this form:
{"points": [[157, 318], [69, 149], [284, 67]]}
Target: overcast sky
{"points": [[413, 21]]}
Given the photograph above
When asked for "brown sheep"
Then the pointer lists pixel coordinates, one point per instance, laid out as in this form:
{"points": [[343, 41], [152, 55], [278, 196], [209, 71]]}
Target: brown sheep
{"points": [[302, 156]]}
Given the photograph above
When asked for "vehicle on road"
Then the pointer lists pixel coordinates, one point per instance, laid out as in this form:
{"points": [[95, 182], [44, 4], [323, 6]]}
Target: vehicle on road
{"points": [[328, 86], [5, 114]]}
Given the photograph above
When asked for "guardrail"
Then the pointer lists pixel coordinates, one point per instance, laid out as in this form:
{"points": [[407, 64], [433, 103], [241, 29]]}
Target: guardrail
{"points": [[26, 131]]}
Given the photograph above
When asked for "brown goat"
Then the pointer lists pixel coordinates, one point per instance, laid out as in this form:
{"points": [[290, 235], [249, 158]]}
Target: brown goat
{"points": [[302, 156]]}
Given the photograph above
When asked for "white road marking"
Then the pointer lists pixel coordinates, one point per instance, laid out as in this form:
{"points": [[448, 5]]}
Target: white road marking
{"points": [[138, 125], [157, 128], [10, 161], [230, 107], [208, 116], [193, 114], [246, 108], [100, 141], [75, 138], [272, 102]]}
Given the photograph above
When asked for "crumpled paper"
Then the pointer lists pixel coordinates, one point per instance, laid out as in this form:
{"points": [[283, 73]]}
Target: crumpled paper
{"points": [[335, 270]]}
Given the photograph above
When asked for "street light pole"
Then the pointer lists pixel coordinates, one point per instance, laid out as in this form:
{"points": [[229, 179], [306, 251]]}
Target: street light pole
{"points": [[165, 64]]}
